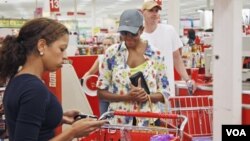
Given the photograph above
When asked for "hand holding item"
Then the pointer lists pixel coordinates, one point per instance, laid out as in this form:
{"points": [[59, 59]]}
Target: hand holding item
{"points": [[194, 86], [138, 93], [191, 86], [84, 127], [135, 81], [68, 116], [81, 116]]}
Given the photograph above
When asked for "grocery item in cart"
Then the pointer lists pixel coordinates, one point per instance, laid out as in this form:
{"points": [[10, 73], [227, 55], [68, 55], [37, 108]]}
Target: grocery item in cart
{"points": [[164, 137]]}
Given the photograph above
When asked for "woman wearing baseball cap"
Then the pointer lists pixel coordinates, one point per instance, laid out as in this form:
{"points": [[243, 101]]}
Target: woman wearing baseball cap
{"points": [[125, 59]]}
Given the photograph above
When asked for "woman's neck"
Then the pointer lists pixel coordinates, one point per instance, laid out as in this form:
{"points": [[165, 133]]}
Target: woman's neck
{"points": [[139, 46], [32, 66]]}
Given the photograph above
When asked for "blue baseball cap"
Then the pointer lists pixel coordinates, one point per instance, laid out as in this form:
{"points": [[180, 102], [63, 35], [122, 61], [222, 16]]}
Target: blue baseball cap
{"points": [[130, 20]]}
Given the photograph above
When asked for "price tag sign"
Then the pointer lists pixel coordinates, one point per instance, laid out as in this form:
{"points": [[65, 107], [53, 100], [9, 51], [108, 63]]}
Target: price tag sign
{"points": [[17, 23], [54, 5], [4, 23]]}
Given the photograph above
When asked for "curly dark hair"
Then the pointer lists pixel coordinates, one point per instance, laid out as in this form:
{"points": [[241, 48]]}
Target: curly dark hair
{"points": [[15, 49]]}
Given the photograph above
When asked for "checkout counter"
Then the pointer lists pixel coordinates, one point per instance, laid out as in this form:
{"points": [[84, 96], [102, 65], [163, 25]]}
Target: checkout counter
{"points": [[204, 89]]}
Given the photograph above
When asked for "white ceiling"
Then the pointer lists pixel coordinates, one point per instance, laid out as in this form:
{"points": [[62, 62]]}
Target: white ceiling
{"points": [[104, 8]]}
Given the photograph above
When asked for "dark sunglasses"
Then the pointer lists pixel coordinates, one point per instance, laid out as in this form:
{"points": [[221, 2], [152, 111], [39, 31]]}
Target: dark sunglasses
{"points": [[126, 33]]}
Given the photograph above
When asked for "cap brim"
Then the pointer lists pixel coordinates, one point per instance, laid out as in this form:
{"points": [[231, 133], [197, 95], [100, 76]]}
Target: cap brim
{"points": [[130, 29], [149, 8], [157, 7]]}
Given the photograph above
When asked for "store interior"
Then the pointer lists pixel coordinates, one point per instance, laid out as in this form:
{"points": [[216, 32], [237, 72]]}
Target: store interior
{"points": [[90, 21]]}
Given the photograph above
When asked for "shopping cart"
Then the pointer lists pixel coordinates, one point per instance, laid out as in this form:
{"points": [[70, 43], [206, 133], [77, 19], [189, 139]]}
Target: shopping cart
{"points": [[110, 132], [198, 110]]}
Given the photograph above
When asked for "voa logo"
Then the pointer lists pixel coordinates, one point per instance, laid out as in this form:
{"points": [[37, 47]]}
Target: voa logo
{"points": [[236, 132]]}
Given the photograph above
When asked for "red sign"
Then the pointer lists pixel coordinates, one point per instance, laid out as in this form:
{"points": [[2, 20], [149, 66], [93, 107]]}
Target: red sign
{"points": [[54, 5], [159, 2], [38, 12]]}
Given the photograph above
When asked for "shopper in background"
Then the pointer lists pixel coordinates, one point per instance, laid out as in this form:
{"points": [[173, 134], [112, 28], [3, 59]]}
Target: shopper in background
{"points": [[32, 111], [165, 38], [125, 59], [107, 42], [191, 37]]}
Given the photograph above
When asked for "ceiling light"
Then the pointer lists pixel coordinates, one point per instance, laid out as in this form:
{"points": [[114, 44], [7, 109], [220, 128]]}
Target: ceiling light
{"points": [[200, 10]]}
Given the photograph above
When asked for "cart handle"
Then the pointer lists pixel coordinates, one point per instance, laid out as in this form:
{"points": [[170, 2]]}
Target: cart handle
{"points": [[146, 114]]}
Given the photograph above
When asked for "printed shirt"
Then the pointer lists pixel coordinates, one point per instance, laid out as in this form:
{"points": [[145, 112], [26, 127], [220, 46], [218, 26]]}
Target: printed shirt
{"points": [[114, 76]]}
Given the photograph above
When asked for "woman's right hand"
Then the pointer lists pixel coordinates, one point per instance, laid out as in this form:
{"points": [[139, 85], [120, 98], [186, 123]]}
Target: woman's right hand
{"points": [[138, 93], [85, 126]]}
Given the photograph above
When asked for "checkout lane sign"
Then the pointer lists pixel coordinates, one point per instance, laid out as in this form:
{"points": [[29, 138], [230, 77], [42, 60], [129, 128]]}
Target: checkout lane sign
{"points": [[54, 5]]}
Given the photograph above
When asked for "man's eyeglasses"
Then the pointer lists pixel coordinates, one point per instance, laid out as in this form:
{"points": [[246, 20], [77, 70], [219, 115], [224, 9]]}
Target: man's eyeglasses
{"points": [[126, 33]]}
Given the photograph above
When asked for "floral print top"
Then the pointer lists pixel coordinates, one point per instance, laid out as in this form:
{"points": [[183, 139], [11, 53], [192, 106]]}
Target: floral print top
{"points": [[114, 76]]}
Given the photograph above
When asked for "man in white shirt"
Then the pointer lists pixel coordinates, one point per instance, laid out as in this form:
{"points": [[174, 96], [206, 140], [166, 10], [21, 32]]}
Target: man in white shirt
{"points": [[165, 38]]}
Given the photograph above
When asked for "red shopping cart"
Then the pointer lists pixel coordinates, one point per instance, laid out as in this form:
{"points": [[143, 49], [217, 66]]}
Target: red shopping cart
{"points": [[198, 110], [110, 132]]}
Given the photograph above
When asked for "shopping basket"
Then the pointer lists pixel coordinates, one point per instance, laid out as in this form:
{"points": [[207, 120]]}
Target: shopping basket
{"points": [[198, 110], [110, 132]]}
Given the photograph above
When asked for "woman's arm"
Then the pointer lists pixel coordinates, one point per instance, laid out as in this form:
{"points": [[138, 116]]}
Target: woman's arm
{"points": [[135, 94], [156, 97], [79, 129], [104, 94], [69, 116]]}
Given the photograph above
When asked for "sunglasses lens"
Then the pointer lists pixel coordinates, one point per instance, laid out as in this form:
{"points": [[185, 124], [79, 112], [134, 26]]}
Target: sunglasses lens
{"points": [[125, 33], [134, 34]]}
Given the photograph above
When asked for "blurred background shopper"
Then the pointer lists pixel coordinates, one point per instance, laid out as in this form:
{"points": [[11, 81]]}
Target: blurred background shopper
{"points": [[165, 38], [107, 42]]}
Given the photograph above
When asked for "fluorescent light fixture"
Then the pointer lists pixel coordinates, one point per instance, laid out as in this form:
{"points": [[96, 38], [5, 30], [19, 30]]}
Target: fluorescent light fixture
{"points": [[200, 10]]}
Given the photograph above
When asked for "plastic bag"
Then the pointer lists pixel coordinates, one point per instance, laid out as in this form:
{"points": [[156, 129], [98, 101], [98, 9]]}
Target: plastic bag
{"points": [[162, 137]]}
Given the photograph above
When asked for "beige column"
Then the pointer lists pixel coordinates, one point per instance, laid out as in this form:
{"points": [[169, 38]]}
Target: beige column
{"points": [[227, 59], [173, 13]]}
